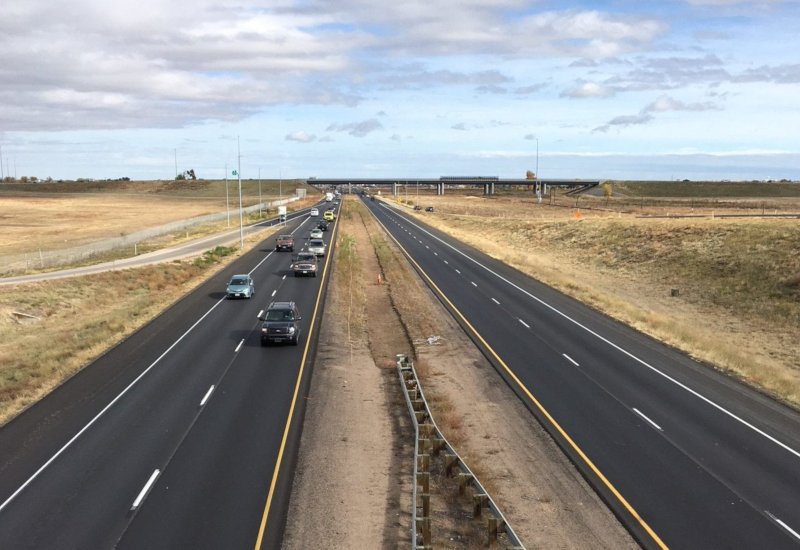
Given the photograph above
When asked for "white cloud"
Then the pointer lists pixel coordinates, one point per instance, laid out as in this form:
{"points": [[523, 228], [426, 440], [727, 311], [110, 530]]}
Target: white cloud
{"points": [[301, 137], [584, 89], [357, 129]]}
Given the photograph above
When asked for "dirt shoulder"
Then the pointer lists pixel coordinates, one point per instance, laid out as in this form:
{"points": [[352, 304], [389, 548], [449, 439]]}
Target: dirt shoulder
{"points": [[355, 456]]}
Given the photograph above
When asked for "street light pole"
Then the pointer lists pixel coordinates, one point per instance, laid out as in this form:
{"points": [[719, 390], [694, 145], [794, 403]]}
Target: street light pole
{"points": [[260, 204], [176, 162], [239, 174], [227, 198]]}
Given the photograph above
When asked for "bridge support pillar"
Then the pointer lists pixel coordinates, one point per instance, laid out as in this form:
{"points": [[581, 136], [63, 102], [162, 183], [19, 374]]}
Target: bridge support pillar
{"points": [[440, 188], [394, 189]]}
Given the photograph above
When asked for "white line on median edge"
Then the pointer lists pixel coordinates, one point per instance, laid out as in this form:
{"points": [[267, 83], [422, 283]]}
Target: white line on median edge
{"points": [[239, 346], [640, 413], [794, 533], [571, 360], [207, 395], [145, 489]]}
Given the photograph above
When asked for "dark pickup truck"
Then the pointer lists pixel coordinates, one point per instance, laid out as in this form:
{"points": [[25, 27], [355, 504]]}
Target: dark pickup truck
{"points": [[284, 242]]}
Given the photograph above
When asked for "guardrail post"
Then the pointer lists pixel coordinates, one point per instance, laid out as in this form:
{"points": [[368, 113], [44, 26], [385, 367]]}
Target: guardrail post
{"points": [[424, 463], [463, 479], [424, 481], [450, 461], [491, 531], [478, 503], [438, 445], [426, 530], [426, 504]]}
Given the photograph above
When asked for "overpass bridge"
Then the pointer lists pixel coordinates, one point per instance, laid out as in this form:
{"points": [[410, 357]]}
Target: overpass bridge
{"points": [[489, 184]]}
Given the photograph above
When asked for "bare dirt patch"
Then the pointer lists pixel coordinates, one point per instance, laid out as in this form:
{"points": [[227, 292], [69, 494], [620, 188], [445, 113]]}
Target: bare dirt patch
{"points": [[540, 492]]}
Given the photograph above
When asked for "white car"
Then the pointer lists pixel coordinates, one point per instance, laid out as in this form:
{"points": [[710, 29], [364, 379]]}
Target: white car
{"points": [[317, 246], [314, 212], [315, 234]]}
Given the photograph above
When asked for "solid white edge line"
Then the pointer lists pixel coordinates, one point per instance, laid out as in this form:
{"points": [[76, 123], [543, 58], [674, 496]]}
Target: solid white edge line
{"points": [[783, 524], [207, 395], [106, 408], [640, 413], [621, 350], [571, 360], [239, 346], [495, 301], [111, 403], [524, 324], [145, 489]]}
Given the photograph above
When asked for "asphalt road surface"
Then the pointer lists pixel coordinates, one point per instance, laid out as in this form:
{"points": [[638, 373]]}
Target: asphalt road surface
{"points": [[686, 457], [183, 436]]}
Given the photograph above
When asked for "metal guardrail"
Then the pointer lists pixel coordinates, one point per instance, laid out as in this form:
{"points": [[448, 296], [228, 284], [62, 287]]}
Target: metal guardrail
{"points": [[429, 441]]}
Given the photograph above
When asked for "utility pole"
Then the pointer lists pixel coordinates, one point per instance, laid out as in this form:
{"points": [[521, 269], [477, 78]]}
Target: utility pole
{"points": [[280, 184], [227, 198], [260, 204], [2, 173], [239, 174], [176, 162]]}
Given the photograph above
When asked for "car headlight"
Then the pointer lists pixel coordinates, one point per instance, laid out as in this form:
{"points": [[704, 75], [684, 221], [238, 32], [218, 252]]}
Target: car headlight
{"points": [[291, 330], [264, 330]]}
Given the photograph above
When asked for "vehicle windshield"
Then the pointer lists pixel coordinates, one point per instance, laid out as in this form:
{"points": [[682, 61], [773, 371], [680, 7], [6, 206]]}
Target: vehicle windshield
{"points": [[238, 282], [316, 243], [280, 315], [306, 257], [285, 237]]}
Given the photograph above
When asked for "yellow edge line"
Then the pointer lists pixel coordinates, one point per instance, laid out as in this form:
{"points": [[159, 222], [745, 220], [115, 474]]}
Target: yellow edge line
{"points": [[544, 411], [278, 462]]}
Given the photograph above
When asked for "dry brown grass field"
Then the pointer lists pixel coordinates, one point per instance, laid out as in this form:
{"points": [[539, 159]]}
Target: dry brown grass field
{"points": [[738, 280], [47, 217]]}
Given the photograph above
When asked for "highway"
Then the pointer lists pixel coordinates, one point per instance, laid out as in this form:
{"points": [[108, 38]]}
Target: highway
{"points": [[182, 436], [686, 457]]}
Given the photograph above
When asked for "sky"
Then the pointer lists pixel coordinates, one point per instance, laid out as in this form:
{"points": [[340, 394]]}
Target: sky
{"points": [[618, 89]]}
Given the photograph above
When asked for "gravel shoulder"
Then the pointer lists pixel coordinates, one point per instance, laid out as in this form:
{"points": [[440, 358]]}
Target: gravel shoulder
{"points": [[352, 487]]}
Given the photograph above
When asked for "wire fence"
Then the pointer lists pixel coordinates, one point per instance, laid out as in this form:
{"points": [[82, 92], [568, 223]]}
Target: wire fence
{"points": [[45, 259]]}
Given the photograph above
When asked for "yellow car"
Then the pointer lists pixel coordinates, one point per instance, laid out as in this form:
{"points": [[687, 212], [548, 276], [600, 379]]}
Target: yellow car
{"points": [[329, 216]]}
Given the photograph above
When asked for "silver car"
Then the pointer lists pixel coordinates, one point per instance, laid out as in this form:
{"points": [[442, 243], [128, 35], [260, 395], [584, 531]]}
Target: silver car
{"points": [[316, 233], [241, 286], [317, 246]]}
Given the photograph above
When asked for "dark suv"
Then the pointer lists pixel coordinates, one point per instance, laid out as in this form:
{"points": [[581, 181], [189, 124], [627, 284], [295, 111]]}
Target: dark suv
{"points": [[280, 323]]}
